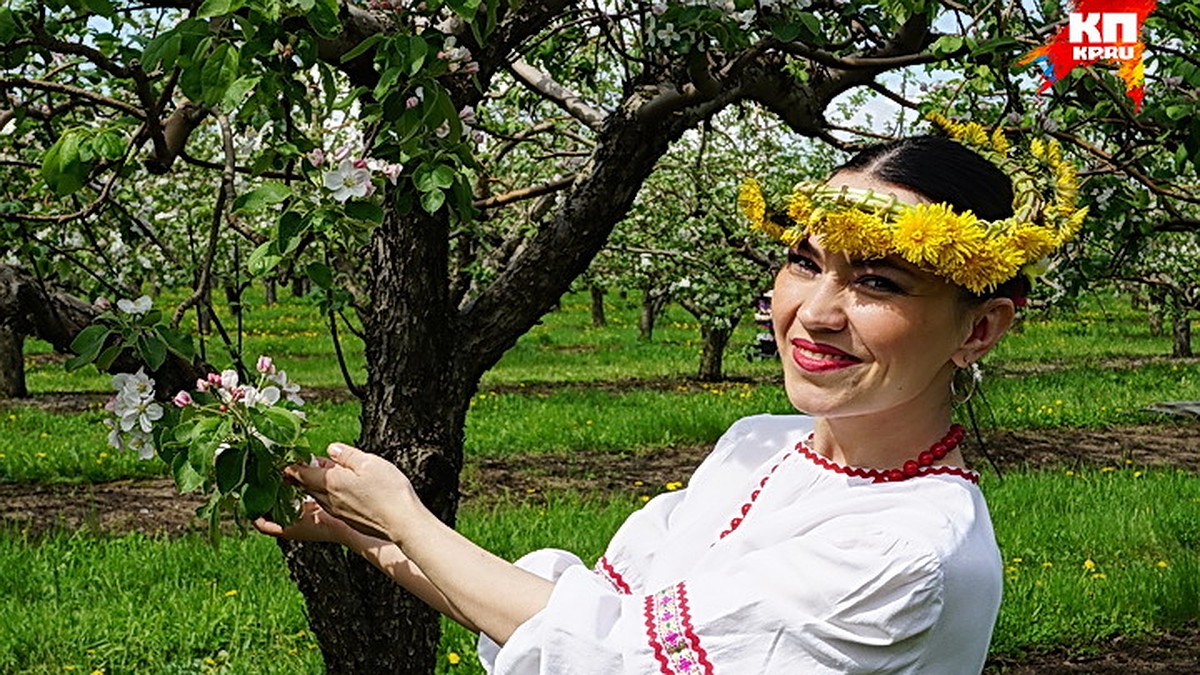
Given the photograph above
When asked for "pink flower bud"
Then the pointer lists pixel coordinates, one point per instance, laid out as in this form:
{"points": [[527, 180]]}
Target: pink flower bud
{"points": [[202, 385], [317, 157], [214, 379], [222, 408], [182, 399], [412, 102], [265, 365], [360, 163], [102, 303]]}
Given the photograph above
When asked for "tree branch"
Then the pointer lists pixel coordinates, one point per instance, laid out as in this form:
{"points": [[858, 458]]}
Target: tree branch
{"points": [[525, 193], [56, 87], [554, 92]]}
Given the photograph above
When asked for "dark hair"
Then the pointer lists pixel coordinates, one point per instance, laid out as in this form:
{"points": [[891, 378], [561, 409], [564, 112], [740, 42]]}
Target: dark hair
{"points": [[945, 171]]}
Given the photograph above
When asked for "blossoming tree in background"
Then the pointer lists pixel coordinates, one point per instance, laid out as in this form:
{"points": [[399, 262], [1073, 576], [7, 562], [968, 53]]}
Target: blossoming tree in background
{"points": [[502, 142]]}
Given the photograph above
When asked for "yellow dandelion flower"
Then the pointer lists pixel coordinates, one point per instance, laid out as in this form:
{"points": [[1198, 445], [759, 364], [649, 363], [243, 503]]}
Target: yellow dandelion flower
{"points": [[1089, 564], [644, 499], [1037, 148], [1099, 575], [853, 232], [453, 659], [1161, 564], [752, 203], [799, 207], [792, 236], [230, 594], [922, 232], [673, 485], [1000, 142], [989, 264], [1034, 243], [1047, 564]]}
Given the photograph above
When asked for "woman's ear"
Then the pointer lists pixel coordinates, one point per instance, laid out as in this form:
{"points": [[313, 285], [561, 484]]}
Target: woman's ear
{"points": [[990, 321]]}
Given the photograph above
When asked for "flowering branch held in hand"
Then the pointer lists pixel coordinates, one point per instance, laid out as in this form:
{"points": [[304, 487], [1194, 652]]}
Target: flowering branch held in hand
{"points": [[228, 439]]}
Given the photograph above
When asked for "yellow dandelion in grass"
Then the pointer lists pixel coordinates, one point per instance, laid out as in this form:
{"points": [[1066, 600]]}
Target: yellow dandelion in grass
{"points": [[230, 594], [40, 455], [1089, 564], [1108, 469], [453, 658], [644, 499], [1099, 575], [1047, 564], [673, 485], [1161, 564]]}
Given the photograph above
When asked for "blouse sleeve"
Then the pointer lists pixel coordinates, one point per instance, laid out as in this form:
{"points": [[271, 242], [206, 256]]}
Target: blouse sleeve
{"points": [[858, 601]]}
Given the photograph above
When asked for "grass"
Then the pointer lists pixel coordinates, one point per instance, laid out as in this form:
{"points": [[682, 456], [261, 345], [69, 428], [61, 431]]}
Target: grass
{"points": [[1089, 554]]}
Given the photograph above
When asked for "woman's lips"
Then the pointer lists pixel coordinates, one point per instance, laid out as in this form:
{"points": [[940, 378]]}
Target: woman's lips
{"points": [[819, 358]]}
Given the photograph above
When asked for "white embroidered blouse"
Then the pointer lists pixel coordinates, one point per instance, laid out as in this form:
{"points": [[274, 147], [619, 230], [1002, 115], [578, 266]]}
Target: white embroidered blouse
{"points": [[774, 560]]}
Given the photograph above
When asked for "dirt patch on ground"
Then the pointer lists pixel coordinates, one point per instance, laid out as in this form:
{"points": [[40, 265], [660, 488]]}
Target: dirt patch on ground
{"points": [[154, 507]]}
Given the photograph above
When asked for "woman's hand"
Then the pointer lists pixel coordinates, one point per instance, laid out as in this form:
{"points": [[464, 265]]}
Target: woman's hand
{"points": [[314, 524], [365, 491]]}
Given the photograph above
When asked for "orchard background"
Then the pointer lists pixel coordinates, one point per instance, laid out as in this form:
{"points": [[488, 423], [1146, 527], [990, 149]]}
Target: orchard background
{"points": [[400, 197]]}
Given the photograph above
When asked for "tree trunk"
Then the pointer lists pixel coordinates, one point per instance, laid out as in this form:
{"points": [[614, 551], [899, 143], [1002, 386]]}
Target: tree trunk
{"points": [[12, 364], [270, 294], [1182, 343], [598, 318], [712, 357], [652, 303], [299, 286], [1154, 310], [413, 413]]}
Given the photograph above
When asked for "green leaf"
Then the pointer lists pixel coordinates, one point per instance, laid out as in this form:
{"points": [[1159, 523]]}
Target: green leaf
{"points": [[109, 145], [177, 341], [8, 25], [101, 7], [277, 425], [259, 497], [263, 259], [945, 45], [210, 8], [289, 230], [418, 49], [238, 90], [110, 354], [321, 275], [88, 342], [362, 47], [323, 17], [219, 71], [152, 350], [231, 469], [429, 177], [268, 193], [187, 478], [432, 201], [365, 211], [62, 167]]}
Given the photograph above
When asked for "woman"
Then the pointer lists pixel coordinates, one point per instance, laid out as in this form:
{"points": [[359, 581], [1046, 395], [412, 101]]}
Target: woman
{"points": [[849, 539]]}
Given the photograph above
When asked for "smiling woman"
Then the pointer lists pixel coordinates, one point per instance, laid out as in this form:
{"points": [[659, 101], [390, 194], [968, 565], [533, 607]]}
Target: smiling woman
{"points": [[849, 538]]}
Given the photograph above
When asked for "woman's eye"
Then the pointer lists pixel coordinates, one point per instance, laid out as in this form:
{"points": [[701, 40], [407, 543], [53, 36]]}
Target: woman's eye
{"points": [[881, 284], [802, 261]]}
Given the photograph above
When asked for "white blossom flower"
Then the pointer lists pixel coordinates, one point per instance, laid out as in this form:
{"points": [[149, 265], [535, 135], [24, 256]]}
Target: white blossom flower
{"points": [[141, 416], [443, 130], [467, 115], [658, 8], [133, 386], [135, 307], [289, 389], [667, 35], [229, 379], [253, 397], [745, 19], [142, 444], [348, 181]]}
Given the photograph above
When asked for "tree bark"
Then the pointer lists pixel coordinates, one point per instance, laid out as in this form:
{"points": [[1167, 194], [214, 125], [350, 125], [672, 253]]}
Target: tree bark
{"points": [[598, 318], [1154, 310], [712, 356], [652, 303], [1182, 343], [413, 414], [12, 363], [270, 296]]}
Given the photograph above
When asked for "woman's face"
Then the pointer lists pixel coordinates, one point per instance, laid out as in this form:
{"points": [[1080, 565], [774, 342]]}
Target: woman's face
{"points": [[866, 337]]}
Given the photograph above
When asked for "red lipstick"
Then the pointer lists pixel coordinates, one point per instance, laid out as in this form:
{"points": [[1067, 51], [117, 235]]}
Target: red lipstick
{"points": [[819, 358]]}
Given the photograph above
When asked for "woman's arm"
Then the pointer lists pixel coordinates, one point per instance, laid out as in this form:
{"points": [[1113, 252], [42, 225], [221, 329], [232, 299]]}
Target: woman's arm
{"points": [[376, 499], [317, 524]]}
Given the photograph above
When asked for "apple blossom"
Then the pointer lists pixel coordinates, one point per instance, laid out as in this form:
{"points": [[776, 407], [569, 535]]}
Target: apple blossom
{"points": [[348, 181], [265, 365], [182, 399], [135, 307]]}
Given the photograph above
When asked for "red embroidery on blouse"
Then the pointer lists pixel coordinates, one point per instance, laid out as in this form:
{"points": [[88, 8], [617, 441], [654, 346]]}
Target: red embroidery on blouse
{"points": [[737, 520], [879, 475], [614, 577], [672, 635]]}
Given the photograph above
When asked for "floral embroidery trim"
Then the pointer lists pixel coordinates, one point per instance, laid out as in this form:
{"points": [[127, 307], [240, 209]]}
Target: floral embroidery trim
{"points": [[672, 635], [878, 475], [605, 568]]}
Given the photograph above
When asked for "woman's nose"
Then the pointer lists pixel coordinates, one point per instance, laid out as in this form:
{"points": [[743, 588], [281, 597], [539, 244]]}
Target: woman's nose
{"points": [[822, 308]]}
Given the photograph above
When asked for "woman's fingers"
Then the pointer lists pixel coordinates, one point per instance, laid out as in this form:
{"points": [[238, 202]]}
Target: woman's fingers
{"points": [[314, 479]]}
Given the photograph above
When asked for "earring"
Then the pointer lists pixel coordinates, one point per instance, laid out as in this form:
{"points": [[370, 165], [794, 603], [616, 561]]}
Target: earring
{"points": [[961, 392]]}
